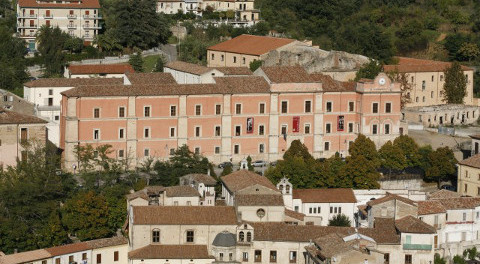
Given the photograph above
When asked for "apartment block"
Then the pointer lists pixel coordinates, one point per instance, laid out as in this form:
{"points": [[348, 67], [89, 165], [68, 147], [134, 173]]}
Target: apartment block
{"points": [[469, 176], [78, 18]]}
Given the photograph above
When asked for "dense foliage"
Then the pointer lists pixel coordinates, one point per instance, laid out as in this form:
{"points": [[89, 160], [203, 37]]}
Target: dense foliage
{"points": [[339, 220], [12, 62], [455, 86]]}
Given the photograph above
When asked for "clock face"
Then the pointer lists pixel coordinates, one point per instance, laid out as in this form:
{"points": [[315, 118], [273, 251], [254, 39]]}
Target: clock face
{"points": [[382, 81]]}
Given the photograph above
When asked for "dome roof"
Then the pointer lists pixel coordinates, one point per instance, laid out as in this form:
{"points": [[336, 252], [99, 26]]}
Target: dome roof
{"points": [[225, 239]]}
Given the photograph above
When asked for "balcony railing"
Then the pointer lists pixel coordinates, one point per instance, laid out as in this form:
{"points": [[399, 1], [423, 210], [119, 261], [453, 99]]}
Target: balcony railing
{"points": [[92, 17], [72, 16], [417, 247], [48, 16], [88, 26], [27, 26], [27, 15], [72, 26]]}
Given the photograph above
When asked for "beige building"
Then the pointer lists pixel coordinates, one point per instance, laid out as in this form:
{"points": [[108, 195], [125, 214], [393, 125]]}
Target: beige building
{"points": [[98, 70], [441, 115], [204, 184], [240, 51], [427, 79], [78, 18], [165, 196], [189, 73], [17, 130], [15, 103], [469, 176]]}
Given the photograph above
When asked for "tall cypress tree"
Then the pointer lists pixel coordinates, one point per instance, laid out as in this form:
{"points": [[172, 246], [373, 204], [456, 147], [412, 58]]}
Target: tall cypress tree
{"points": [[51, 41], [455, 86]]}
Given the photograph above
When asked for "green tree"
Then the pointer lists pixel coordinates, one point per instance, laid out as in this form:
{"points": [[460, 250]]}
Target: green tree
{"points": [[136, 61], [331, 172], [50, 46], [249, 163], [455, 86], [439, 260], [86, 216], [409, 149], [297, 149], [424, 153], [340, 220], [54, 233], [442, 165], [107, 42], [469, 51], [410, 37], [255, 64], [405, 86], [13, 70], [227, 170], [459, 260], [161, 61], [361, 166], [392, 157], [369, 70], [471, 253], [73, 44]]}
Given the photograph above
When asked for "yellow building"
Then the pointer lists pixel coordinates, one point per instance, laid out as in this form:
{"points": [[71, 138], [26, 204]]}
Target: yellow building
{"points": [[469, 176], [78, 18]]}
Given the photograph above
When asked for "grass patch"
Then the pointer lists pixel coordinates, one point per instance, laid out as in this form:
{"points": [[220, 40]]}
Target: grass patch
{"points": [[149, 62]]}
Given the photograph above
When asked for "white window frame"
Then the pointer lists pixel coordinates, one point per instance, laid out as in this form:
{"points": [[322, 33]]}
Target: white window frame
{"points": [[348, 105], [99, 113], [220, 109], [176, 110], [119, 134], [215, 130], [146, 150], [170, 132], [264, 108], [93, 136], [259, 125], [286, 129], [281, 106], [348, 127], [326, 107], [378, 107], [326, 124], [329, 145], [149, 132], [305, 104], [389, 128], [199, 130], [239, 149], [149, 111], [195, 110], [309, 128], [241, 108], [235, 130], [263, 146], [118, 154], [378, 132], [215, 150]]}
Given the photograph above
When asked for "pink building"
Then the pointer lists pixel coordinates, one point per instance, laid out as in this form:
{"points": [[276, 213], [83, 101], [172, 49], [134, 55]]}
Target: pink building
{"points": [[231, 118]]}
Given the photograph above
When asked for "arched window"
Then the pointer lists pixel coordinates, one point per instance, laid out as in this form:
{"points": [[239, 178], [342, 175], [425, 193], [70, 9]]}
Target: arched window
{"points": [[156, 236], [287, 189], [249, 237], [280, 187], [241, 236]]}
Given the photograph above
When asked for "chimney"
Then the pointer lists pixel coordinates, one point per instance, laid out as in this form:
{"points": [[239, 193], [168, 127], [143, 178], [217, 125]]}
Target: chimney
{"points": [[208, 172]]}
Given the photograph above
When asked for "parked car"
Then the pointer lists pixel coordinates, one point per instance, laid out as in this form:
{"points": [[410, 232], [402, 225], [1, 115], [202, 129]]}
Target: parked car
{"points": [[225, 164], [449, 187], [259, 163]]}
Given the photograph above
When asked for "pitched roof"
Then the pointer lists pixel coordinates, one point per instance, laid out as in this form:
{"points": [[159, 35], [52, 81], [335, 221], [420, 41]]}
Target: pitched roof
{"points": [[473, 161], [333, 244], [10, 117], [251, 45], [151, 78], [100, 68], [224, 85], [54, 4], [67, 249], [182, 191], [287, 74], [202, 178], [107, 242], [234, 70], [295, 215], [383, 231], [430, 207], [475, 136], [274, 231], [389, 197], [419, 65], [410, 224], [170, 252], [184, 215], [336, 195], [25, 257], [242, 179], [72, 82], [331, 85], [192, 68], [259, 200], [460, 203], [145, 192], [443, 194]]}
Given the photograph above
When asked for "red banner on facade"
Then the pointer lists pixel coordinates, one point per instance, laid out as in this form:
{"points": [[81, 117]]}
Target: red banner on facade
{"points": [[296, 124]]}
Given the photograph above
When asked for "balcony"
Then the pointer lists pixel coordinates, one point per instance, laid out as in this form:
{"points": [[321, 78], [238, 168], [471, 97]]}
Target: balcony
{"points": [[417, 247], [26, 15], [27, 26], [92, 17], [48, 16], [72, 16], [88, 26], [72, 26]]}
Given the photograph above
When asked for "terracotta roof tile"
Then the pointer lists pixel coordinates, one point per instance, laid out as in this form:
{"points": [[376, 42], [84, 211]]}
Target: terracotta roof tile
{"points": [[54, 4], [295, 215], [10, 117], [192, 68], [259, 200], [331, 85], [232, 71], [242, 179], [244, 84], [145, 192], [391, 196], [25, 257], [473, 161], [383, 232], [410, 224], [418, 65], [181, 191], [67, 249], [107, 242], [100, 68], [443, 194], [338, 195], [72, 82], [184, 215], [271, 231], [460, 203], [287, 74], [251, 45], [170, 252], [475, 136], [201, 178], [157, 78], [430, 207], [333, 244]]}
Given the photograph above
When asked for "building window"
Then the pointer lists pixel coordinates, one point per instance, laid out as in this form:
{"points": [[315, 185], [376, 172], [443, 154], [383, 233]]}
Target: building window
{"points": [[238, 130], [423, 99], [261, 130], [258, 256], [172, 132], [431, 94], [221, 256], [328, 128], [190, 236], [70, 259], [99, 258], [261, 148], [213, 55], [245, 256], [284, 107], [423, 85], [308, 106], [292, 257], [408, 259], [329, 107], [197, 131], [172, 151], [218, 109], [96, 113], [327, 146], [466, 187], [387, 129], [146, 111], [238, 109], [156, 236], [244, 60], [57, 118], [121, 111], [234, 59], [217, 150], [261, 108], [350, 127], [416, 99], [197, 151], [96, 134], [386, 258], [146, 152], [236, 149], [173, 110], [441, 78], [351, 106], [217, 131], [388, 107], [464, 217], [198, 110], [146, 132], [50, 101], [121, 134], [307, 128], [222, 57], [374, 129], [284, 130], [375, 108], [121, 154], [115, 256], [273, 256]]}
